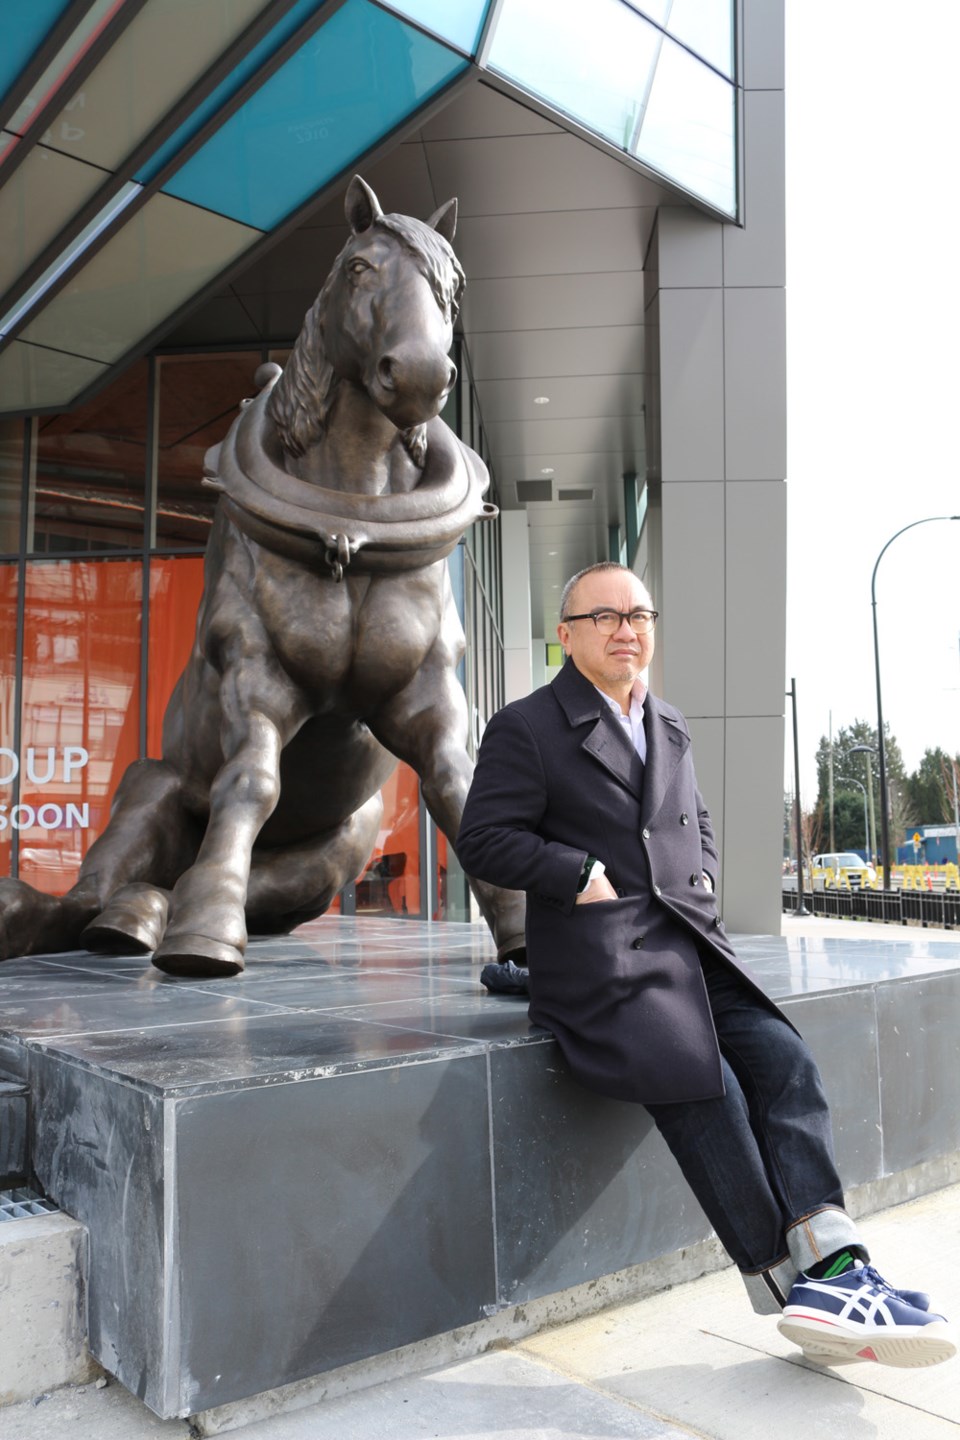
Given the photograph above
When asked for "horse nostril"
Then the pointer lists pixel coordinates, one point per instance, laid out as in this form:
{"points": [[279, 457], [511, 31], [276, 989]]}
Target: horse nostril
{"points": [[386, 372]]}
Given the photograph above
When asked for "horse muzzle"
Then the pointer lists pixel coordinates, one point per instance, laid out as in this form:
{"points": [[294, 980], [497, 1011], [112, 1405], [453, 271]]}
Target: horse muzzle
{"points": [[410, 387]]}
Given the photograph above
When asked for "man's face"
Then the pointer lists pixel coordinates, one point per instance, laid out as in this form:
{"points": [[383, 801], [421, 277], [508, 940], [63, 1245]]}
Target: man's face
{"points": [[608, 661]]}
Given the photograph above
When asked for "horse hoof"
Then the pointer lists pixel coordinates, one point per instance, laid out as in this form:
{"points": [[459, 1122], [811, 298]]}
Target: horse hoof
{"points": [[197, 956], [133, 920]]}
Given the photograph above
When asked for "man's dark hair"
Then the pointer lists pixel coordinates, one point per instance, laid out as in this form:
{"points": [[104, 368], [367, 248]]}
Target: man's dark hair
{"points": [[601, 565]]}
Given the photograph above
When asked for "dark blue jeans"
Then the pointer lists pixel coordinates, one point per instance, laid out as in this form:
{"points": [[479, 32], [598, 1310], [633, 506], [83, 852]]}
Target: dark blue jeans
{"points": [[760, 1159]]}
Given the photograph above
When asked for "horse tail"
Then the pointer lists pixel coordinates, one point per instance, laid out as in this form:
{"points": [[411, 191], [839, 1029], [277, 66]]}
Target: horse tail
{"points": [[300, 400]]}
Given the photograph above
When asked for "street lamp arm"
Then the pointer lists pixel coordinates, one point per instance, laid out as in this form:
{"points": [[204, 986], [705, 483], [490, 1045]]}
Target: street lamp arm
{"points": [[928, 520]]}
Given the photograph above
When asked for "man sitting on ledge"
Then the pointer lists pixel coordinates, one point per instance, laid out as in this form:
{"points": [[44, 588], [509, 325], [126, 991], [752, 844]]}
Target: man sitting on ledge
{"points": [[585, 797]]}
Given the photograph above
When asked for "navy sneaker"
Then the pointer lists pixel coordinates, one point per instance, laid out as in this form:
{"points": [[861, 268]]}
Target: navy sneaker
{"points": [[858, 1316]]}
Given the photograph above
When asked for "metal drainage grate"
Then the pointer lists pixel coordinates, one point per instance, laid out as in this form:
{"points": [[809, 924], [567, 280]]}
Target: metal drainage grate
{"points": [[22, 1203]]}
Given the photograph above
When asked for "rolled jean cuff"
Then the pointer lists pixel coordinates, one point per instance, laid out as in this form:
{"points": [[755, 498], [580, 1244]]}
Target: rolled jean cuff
{"points": [[821, 1233], [768, 1289]]}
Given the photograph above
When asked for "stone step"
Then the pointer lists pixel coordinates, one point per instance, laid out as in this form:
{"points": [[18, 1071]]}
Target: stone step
{"points": [[43, 1331]]}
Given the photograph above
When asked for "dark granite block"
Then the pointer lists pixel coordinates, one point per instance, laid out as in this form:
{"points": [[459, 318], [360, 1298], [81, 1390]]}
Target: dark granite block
{"points": [[919, 1042], [584, 1186], [98, 1151], [326, 1220], [841, 1030], [14, 1159]]}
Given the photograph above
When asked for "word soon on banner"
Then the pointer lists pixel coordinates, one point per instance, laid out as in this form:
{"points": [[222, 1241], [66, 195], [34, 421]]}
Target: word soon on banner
{"points": [[47, 817]]}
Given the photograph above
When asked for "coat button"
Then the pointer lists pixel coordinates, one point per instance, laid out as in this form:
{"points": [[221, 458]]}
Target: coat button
{"points": [[695, 878], [684, 818], [646, 834], [637, 943], [656, 889], [717, 921]]}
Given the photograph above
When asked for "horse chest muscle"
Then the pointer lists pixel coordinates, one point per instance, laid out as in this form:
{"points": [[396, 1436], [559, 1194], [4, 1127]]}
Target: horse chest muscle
{"points": [[359, 640]]}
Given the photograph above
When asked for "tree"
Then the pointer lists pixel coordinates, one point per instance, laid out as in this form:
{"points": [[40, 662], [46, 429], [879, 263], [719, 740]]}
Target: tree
{"points": [[848, 826], [854, 767], [930, 788], [861, 732]]}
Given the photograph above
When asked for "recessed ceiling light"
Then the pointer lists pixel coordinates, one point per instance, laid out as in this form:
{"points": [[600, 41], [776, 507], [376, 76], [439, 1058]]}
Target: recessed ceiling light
{"points": [[551, 552], [547, 470], [541, 399]]}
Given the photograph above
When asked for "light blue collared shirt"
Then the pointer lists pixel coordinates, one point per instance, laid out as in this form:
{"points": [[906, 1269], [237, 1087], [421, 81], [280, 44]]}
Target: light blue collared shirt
{"points": [[633, 722]]}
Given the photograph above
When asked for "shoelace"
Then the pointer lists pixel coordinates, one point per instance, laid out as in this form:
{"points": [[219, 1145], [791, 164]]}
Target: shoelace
{"points": [[877, 1279]]}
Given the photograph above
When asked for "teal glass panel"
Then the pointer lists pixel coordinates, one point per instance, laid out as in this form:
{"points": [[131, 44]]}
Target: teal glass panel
{"points": [[591, 62], [22, 31], [350, 84], [239, 75], [689, 128], [460, 22]]}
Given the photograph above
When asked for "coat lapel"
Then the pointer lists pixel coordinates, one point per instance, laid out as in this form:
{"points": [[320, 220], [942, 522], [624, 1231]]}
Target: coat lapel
{"points": [[605, 741], [666, 746]]}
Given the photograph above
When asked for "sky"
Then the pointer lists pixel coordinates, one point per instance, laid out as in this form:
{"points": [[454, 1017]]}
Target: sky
{"points": [[873, 363]]}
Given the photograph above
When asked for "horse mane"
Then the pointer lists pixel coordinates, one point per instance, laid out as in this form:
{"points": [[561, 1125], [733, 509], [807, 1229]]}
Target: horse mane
{"points": [[300, 400]]}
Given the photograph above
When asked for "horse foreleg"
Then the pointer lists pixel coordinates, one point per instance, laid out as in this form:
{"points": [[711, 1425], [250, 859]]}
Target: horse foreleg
{"points": [[426, 726], [207, 932]]}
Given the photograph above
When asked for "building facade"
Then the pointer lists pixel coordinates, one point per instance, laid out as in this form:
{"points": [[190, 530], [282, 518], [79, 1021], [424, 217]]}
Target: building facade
{"points": [[171, 189]]}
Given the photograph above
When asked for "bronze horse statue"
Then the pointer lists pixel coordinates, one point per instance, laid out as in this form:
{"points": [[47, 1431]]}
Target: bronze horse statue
{"points": [[327, 636]]}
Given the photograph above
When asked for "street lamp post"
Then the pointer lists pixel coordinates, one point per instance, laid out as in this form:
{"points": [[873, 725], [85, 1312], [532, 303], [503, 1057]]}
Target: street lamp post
{"points": [[881, 750], [868, 752]]}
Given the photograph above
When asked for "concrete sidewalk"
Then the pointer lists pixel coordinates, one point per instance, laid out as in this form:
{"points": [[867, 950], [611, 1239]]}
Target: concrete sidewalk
{"points": [[694, 1360]]}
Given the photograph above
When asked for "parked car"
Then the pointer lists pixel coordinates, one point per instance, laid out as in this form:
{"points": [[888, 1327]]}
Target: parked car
{"points": [[857, 871]]}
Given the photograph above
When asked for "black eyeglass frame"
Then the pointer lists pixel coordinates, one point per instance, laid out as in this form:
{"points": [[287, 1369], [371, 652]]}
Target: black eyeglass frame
{"points": [[651, 615]]}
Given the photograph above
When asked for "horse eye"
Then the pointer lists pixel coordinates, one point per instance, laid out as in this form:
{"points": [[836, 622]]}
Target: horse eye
{"points": [[358, 265]]}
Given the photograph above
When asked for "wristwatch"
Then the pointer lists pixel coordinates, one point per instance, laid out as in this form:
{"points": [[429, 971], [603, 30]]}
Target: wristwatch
{"points": [[592, 870]]}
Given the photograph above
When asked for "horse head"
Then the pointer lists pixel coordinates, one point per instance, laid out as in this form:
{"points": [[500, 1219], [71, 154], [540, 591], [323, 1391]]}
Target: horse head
{"points": [[382, 322]]}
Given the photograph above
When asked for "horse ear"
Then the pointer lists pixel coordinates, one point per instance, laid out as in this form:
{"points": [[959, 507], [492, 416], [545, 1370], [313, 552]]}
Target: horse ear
{"points": [[444, 220], [361, 206]]}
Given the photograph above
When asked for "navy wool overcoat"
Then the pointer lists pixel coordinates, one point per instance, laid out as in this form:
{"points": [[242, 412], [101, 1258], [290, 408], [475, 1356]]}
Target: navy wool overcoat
{"points": [[618, 982]]}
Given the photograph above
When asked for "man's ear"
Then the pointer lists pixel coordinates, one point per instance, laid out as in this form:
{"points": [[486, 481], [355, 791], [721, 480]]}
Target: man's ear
{"points": [[563, 635]]}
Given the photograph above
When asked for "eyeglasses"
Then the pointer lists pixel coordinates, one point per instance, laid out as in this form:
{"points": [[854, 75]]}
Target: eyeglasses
{"points": [[608, 622]]}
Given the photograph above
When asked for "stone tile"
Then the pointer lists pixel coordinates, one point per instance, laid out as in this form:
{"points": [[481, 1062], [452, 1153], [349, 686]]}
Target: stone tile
{"points": [[262, 1049], [98, 1152], [919, 1043], [584, 1185], [306, 1214]]}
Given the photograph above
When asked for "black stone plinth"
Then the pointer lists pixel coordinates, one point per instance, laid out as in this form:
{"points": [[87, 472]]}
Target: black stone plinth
{"points": [[352, 1146]]}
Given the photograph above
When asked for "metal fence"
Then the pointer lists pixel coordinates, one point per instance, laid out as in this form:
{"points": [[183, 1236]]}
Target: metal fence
{"points": [[896, 907]]}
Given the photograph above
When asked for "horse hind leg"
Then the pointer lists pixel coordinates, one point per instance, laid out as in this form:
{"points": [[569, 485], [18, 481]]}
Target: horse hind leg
{"points": [[292, 884], [32, 923], [144, 839]]}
